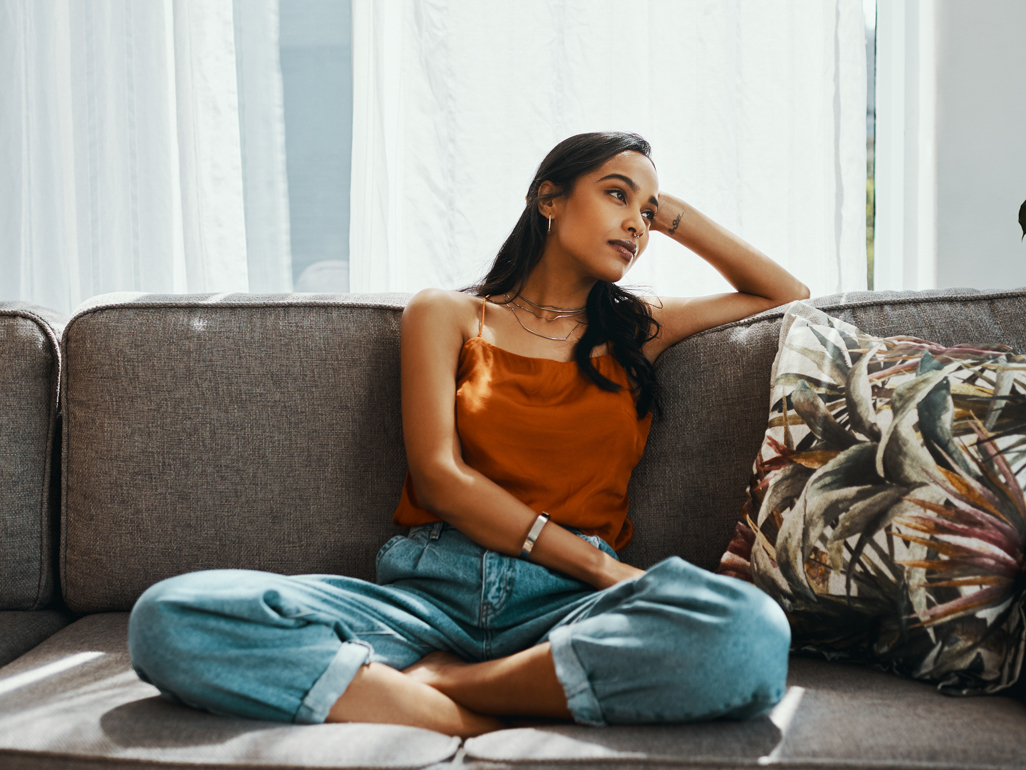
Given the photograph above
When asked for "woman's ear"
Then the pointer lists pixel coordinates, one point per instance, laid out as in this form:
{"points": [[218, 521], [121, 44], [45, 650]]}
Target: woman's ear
{"points": [[548, 195]]}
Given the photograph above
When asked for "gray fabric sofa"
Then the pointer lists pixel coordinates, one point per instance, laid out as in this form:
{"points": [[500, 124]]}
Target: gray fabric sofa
{"points": [[29, 374], [264, 432]]}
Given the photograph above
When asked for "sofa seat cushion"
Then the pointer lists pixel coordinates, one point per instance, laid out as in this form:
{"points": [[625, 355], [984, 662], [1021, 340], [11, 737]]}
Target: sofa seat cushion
{"points": [[24, 629], [834, 715], [75, 700]]}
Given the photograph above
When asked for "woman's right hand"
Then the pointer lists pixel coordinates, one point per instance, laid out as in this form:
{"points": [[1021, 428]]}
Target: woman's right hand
{"points": [[614, 572]]}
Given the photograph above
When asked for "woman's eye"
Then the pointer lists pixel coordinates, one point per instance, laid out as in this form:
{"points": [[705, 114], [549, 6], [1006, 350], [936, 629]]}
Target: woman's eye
{"points": [[618, 194], [650, 215]]}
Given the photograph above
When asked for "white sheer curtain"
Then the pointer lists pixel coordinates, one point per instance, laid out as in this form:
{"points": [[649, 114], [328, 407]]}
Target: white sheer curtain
{"points": [[756, 112], [262, 140], [121, 162]]}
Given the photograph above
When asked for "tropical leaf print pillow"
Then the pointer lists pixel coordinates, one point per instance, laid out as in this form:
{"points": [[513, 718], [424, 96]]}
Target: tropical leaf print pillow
{"points": [[886, 511]]}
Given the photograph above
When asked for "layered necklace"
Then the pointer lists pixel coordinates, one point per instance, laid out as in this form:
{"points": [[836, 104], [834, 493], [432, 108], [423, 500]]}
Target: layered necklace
{"points": [[560, 312]]}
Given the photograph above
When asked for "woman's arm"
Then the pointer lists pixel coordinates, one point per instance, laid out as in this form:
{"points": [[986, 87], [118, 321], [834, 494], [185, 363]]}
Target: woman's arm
{"points": [[760, 282], [435, 325]]}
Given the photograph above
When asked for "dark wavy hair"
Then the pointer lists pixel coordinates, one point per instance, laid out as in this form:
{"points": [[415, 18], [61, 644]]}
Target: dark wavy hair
{"points": [[615, 316]]}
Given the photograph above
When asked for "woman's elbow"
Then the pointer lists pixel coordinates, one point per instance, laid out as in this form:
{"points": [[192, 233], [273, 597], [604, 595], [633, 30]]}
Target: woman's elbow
{"points": [[784, 296], [794, 290], [434, 484]]}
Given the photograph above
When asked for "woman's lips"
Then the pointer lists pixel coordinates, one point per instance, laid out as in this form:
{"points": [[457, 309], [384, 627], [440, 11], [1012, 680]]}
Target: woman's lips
{"points": [[625, 252]]}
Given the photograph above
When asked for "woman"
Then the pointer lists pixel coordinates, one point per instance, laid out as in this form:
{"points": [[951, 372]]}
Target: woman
{"points": [[507, 599]]}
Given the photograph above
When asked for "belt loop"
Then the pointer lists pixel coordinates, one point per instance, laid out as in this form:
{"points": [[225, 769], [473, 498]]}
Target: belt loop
{"points": [[436, 530]]}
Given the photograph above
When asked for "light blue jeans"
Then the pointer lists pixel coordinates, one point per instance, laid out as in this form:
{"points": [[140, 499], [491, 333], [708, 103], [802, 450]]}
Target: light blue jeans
{"points": [[676, 645]]}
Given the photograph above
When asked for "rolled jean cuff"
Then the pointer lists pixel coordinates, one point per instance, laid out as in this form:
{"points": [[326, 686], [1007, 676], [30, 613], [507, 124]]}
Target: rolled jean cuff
{"points": [[580, 698], [332, 683]]}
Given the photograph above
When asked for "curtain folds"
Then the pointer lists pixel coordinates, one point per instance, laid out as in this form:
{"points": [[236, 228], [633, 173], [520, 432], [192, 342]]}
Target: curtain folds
{"points": [[262, 140], [755, 110], [121, 150]]}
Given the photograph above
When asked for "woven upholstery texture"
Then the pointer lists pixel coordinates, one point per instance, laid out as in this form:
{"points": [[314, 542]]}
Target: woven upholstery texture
{"points": [[850, 714], [90, 709], [93, 706], [833, 716], [21, 630], [195, 424], [264, 432], [227, 431], [29, 373], [686, 493]]}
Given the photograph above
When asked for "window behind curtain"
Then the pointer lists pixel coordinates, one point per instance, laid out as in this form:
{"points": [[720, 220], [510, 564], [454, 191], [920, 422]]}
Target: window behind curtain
{"points": [[316, 62], [316, 65]]}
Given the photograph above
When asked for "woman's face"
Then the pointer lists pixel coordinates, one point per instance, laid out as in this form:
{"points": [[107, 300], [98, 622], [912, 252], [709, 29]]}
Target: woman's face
{"points": [[604, 223]]}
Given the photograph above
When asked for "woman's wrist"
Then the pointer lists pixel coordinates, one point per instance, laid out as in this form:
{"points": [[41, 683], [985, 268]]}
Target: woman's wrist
{"points": [[560, 549], [614, 572], [671, 213]]}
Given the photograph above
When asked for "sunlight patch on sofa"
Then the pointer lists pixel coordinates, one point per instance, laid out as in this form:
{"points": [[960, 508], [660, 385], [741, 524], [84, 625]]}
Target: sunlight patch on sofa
{"points": [[782, 715], [50, 669]]}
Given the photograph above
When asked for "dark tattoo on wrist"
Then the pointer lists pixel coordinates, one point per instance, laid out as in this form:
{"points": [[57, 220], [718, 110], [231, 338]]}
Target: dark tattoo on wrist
{"points": [[676, 222]]}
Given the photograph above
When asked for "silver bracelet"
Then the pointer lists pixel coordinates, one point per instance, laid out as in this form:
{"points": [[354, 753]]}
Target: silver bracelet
{"points": [[536, 528]]}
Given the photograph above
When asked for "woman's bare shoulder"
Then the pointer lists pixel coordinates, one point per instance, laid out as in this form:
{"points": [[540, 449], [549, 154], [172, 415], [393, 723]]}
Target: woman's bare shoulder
{"points": [[441, 308]]}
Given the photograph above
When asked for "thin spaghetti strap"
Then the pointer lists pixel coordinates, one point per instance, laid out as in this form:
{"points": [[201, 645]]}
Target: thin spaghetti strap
{"points": [[480, 325]]}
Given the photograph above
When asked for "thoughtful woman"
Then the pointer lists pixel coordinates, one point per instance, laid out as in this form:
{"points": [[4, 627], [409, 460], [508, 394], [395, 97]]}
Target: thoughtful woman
{"points": [[526, 404]]}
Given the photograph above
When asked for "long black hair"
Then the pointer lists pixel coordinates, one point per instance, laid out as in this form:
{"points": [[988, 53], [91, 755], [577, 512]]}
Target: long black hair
{"points": [[615, 316]]}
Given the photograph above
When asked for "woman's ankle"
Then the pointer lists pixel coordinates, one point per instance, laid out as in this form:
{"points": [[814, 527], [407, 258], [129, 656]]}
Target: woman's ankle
{"points": [[520, 685], [382, 695], [438, 669]]}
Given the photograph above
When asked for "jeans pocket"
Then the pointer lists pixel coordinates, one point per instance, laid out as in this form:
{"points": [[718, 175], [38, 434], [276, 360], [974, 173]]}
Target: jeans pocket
{"points": [[388, 547]]}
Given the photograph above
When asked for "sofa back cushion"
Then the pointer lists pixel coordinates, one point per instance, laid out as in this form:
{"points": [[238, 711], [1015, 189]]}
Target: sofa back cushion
{"points": [[687, 492], [248, 431], [264, 432], [29, 372]]}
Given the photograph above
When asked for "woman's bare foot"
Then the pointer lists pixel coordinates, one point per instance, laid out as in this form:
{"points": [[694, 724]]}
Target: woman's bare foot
{"points": [[434, 667], [521, 685], [383, 695]]}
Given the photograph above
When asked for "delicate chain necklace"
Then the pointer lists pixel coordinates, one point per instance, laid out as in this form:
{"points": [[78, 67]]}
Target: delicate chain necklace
{"points": [[513, 307], [553, 308], [556, 317]]}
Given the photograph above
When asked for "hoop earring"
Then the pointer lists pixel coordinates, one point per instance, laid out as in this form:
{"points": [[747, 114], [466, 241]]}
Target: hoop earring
{"points": [[549, 231]]}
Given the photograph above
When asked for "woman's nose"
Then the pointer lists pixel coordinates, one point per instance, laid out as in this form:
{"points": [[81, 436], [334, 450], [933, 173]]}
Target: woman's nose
{"points": [[636, 227]]}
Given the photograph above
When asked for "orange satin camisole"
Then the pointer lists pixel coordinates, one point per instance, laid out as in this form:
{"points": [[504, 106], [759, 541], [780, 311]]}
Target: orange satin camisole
{"points": [[547, 435]]}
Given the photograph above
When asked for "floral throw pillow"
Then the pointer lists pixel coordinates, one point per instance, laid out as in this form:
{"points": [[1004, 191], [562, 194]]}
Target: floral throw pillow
{"points": [[886, 512]]}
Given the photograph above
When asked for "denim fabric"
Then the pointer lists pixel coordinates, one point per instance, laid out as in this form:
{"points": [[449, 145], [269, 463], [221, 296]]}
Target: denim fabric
{"points": [[678, 644]]}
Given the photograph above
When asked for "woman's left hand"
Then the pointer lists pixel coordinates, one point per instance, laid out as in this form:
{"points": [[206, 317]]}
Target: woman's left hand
{"points": [[616, 572], [669, 215]]}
